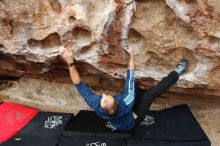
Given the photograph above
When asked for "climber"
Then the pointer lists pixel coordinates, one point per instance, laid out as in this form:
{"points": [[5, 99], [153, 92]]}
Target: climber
{"points": [[117, 110]]}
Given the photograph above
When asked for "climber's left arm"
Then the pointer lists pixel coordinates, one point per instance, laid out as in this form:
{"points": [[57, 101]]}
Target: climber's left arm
{"points": [[129, 87]]}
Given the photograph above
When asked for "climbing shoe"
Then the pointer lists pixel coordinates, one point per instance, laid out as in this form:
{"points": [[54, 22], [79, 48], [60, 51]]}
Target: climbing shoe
{"points": [[181, 66]]}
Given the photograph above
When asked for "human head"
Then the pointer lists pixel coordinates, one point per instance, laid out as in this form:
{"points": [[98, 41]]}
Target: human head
{"points": [[108, 104]]}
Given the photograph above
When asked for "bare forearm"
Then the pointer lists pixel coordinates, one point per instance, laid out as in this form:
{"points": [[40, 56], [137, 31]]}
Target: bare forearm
{"points": [[68, 56], [74, 75], [131, 62]]}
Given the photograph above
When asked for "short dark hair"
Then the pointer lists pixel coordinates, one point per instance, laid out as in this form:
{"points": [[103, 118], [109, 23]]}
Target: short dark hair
{"points": [[108, 111]]}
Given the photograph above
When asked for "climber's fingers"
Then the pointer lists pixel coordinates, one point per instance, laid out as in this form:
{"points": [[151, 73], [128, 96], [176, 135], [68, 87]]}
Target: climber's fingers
{"points": [[61, 50], [130, 51]]}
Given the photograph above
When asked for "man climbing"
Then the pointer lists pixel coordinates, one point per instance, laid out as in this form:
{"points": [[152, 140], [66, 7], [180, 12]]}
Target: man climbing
{"points": [[117, 109]]}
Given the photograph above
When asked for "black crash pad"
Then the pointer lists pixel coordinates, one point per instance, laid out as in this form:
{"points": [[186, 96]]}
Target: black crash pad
{"points": [[90, 141], [44, 129], [87, 123], [47, 124], [162, 143], [176, 124], [30, 140]]}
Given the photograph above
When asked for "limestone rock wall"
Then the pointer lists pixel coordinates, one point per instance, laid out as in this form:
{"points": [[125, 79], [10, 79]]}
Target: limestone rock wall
{"points": [[161, 32]]}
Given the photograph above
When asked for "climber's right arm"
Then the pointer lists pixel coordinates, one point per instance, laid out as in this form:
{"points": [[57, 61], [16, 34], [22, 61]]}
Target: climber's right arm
{"points": [[68, 56], [91, 98], [74, 74]]}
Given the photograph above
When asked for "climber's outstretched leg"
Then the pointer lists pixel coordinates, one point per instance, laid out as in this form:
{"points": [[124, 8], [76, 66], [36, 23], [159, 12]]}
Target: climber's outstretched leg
{"points": [[144, 99]]}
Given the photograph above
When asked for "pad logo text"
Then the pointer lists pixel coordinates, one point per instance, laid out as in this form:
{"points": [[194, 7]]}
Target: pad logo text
{"points": [[53, 122], [96, 144], [148, 120]]}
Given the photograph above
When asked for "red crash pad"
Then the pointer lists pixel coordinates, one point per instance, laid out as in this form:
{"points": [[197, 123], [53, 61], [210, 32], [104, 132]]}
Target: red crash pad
{"points": [[13, 118], [5, 134]]}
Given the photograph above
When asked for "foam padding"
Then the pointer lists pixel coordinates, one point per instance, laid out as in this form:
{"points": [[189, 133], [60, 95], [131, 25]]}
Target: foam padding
{"points": [[176, 124], [44, 129], [87, 123], [90, 141], [162, 143], [30, 140], [6, 134], [13, 118], [47, 124]]}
